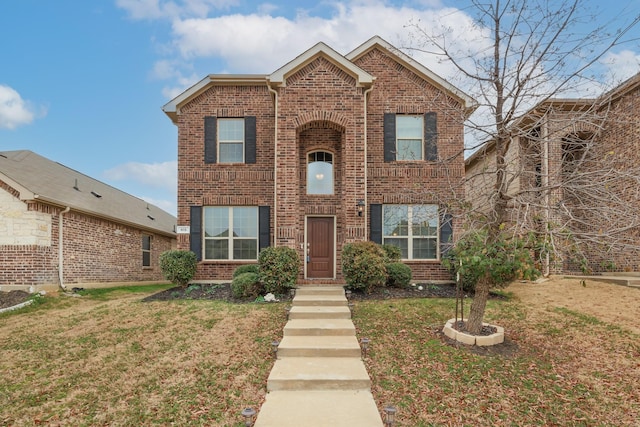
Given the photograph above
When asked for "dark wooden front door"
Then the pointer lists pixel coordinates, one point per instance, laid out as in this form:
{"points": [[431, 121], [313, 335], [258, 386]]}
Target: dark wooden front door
{"points": [[320, 247]]}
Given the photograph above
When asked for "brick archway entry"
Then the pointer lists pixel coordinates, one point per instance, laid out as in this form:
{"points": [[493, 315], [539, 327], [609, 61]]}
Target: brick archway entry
{"points": [[320, 247]]}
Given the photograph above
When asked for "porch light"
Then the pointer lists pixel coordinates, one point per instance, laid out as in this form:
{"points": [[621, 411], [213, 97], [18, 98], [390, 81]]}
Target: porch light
{"points": [[360, 206], [248, 414], [365, 346], [274, 348], [390, 416]]}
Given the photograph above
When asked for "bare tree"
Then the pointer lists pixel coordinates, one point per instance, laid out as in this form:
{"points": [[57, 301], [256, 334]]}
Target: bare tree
{"points": [[541, 164]]}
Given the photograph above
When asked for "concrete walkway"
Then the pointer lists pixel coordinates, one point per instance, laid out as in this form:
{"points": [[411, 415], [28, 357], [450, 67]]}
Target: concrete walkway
{"points": [[319, 378]]}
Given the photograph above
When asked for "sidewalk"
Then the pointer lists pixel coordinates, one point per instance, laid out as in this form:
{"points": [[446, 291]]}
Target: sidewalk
{"points": [[319, 378]]}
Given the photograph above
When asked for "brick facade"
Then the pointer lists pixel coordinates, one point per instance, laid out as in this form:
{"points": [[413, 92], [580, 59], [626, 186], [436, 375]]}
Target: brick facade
{"points": [[325, 102]]}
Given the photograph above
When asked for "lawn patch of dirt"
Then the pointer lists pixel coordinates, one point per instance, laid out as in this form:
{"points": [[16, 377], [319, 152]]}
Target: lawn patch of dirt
{"points": [[11, 298]]}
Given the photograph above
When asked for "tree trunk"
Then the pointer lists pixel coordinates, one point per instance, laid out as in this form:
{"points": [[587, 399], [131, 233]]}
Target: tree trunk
{"points": [[476, 314]]}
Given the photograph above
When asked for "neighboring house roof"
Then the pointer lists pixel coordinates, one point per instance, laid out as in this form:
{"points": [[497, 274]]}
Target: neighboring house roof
{"points": [[278, 77], [378, 42], [37, 178]]}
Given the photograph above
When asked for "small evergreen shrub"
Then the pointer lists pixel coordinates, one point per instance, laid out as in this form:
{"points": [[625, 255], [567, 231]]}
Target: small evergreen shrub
{"points": [[279, 269], [363, 266], [392, 253], [247, 268], [398, 275], [178, 267], [246, 285]]}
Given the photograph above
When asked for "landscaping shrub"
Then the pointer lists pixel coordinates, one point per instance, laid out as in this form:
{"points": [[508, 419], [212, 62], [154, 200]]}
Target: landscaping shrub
{"points": [[248, 268], [279, 269], [392, 253], [363, 265], [246, 285], [178, 267], [398, 274]]}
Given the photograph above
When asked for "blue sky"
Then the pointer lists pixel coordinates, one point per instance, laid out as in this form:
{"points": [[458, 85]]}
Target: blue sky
{"points": [[83, 82]]}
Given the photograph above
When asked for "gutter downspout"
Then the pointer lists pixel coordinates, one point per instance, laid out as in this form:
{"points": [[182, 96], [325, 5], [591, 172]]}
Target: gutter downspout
{"points": [[366, 187], [275, 166], [60, 248]]}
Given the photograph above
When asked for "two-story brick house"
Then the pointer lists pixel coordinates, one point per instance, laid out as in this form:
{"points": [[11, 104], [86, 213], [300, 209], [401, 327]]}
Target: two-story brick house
{"points": [[326, 150]]}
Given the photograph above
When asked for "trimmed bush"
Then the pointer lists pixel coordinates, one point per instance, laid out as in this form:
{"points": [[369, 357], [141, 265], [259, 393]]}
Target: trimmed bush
{"points": [[246, 285], [178, 267], [363, 266], [248, 268], [279, 269], [392, 253], [398, 274]]}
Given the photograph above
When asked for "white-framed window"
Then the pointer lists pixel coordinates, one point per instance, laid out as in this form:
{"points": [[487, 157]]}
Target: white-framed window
{"points": [[231, 140], [412, 228], [146, 250], [230, 233], [409, 137], [320, 173]]}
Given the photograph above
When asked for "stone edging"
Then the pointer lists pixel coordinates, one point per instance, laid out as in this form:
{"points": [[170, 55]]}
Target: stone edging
{"points": [[479, 340], [17, 306]]}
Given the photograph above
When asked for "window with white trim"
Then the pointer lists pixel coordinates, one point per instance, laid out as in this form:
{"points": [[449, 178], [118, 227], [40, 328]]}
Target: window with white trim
{"points": [[320, 173], [230, 140], [230, 233], [409, 137], [412, 228]]}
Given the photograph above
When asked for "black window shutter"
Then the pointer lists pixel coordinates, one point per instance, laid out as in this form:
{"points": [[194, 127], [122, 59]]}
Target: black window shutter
{"points": [[264, 239], [210, 140], [375, 217], [195, 225], [389, 137], [250, 139], [431, 137], [446, 234]]}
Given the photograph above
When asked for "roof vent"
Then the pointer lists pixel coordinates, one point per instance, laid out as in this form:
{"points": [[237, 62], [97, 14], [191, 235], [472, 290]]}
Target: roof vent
{"points": [[75, 186], [96, 194], [151, 218]]}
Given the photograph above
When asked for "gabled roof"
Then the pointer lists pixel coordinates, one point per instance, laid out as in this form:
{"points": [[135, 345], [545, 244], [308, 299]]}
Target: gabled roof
{"points": [[279, 77], [378, 42], [37, 178]]}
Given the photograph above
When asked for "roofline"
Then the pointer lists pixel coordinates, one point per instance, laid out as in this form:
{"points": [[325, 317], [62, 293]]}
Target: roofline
{"points": [[279, 77], [172, 108], [620, 90], [469, 103], [60, 204]]}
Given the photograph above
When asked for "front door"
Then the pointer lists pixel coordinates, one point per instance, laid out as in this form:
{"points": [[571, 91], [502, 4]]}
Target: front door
{"points": [[320, 242]]}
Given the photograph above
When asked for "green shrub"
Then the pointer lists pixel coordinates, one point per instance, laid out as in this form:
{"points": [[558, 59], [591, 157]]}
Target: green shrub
{"points": [[248, 268], [398, 274], [178, 267], [392, 253], [363, 265], [279, 269], [246, 285]]}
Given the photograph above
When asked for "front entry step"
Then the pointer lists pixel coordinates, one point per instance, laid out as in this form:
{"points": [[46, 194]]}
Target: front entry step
{"points": [[319, 409], [316, 327], [320, 290], [319, 346], [318, 373], [320, 300], [319, 312]]}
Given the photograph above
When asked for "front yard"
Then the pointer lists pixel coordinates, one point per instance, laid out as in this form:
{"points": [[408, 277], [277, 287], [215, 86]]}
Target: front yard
{"points": [[109, 359]]}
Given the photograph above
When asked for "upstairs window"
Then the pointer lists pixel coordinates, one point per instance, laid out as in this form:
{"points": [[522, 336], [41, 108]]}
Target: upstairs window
{"points": [[230, 140], [320, 173], [410, 137]]}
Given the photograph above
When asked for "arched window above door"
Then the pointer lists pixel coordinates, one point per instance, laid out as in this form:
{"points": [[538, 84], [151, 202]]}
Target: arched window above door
{"points": [[320, 173]]}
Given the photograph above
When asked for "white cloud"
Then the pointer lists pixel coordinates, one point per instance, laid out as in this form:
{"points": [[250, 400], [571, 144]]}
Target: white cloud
{"points": [[158, 9], [157, 175], [621, 65], [14, 111]]}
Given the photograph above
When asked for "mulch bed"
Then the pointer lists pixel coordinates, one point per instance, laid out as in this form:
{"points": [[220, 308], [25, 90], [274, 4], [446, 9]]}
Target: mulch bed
{"points": [[11, 298]]}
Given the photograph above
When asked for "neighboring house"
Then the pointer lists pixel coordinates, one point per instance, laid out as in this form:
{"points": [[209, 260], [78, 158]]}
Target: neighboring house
{"points": [[60, 228], [573, 165], [327, 150]]}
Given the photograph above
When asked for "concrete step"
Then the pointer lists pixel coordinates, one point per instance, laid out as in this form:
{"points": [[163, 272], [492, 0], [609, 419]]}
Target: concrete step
{"points": [[319, 373], [310, 346], [319, 409], [320, 300], [319, 312], [319, 327], [320, 290]]}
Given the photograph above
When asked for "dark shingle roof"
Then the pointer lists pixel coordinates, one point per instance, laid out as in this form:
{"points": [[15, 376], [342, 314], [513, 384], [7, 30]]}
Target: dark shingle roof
{"points": [[38, 178]]}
